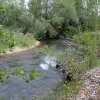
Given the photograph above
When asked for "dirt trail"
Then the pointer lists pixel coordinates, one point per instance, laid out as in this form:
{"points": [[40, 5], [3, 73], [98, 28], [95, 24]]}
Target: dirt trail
{"points": [[91, 87]]}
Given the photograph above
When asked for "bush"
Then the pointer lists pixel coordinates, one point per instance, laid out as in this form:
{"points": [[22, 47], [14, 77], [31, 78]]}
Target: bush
{"points": [[40, 29], [44, 30], [10, 39], [6, 39], [89, 43], [71, 31]]}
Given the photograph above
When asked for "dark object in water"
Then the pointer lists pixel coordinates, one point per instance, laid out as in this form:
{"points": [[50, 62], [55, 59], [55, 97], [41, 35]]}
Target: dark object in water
{"points": [[66, 76], [57, 66]]}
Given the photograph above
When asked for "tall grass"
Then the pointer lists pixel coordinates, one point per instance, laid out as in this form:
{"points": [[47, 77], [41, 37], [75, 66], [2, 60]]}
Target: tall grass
{"points": [[10, 40]]}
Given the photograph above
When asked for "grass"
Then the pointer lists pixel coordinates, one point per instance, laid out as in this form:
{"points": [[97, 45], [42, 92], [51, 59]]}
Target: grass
{"points": [[9, 39], [65, 91], [98, 62], [24, 40]]}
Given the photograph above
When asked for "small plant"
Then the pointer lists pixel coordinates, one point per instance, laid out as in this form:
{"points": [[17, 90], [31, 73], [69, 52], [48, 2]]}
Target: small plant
{"points": [[2, 74], [20, 72], [33, 74], [34, 98]]}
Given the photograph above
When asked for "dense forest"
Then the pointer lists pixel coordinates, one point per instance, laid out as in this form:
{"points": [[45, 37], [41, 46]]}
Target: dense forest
{"points": [[65, 33]]}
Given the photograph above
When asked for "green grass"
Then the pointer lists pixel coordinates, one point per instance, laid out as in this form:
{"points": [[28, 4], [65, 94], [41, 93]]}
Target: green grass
{"points": [[24, 40], [65, 91], [10, 39]]}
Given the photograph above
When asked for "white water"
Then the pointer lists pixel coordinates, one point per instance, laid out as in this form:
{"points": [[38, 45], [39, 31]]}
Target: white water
{"points": [[48, 62], [44, 66]]}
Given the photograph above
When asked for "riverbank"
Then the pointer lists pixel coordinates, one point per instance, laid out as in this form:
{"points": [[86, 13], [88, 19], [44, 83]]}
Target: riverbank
{"points": [[15, 50], [91, 87], [11, 42]]}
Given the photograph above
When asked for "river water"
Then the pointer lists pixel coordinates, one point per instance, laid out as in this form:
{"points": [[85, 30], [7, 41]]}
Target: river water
{"points": [[16, 88]]}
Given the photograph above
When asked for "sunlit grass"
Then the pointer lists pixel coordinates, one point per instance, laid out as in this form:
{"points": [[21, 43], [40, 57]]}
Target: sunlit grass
{"points": [[24, 40], [9, 40]]}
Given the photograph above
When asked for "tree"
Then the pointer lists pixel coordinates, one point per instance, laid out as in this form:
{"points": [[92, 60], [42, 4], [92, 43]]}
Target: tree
{"points": [[87, 12]]}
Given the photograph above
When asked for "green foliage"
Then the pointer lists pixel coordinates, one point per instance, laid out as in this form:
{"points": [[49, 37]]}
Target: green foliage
{"points": [[71, 31], [50, 19], [9, 39], [33, 74], [6, 39], [61, 18], [41, 28], [24, 40], [44, 30], [89, 43], [20, 72], [2, 74], [64, 91], [88, 59]]}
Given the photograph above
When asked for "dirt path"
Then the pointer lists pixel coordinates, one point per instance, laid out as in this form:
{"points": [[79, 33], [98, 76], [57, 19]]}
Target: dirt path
{"points": [[91, 87]]}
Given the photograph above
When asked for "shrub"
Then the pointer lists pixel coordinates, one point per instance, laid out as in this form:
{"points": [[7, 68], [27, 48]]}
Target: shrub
{"points": [[44, 30], [71, 31], [40, 29], [89, 43], [6, 39]]}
